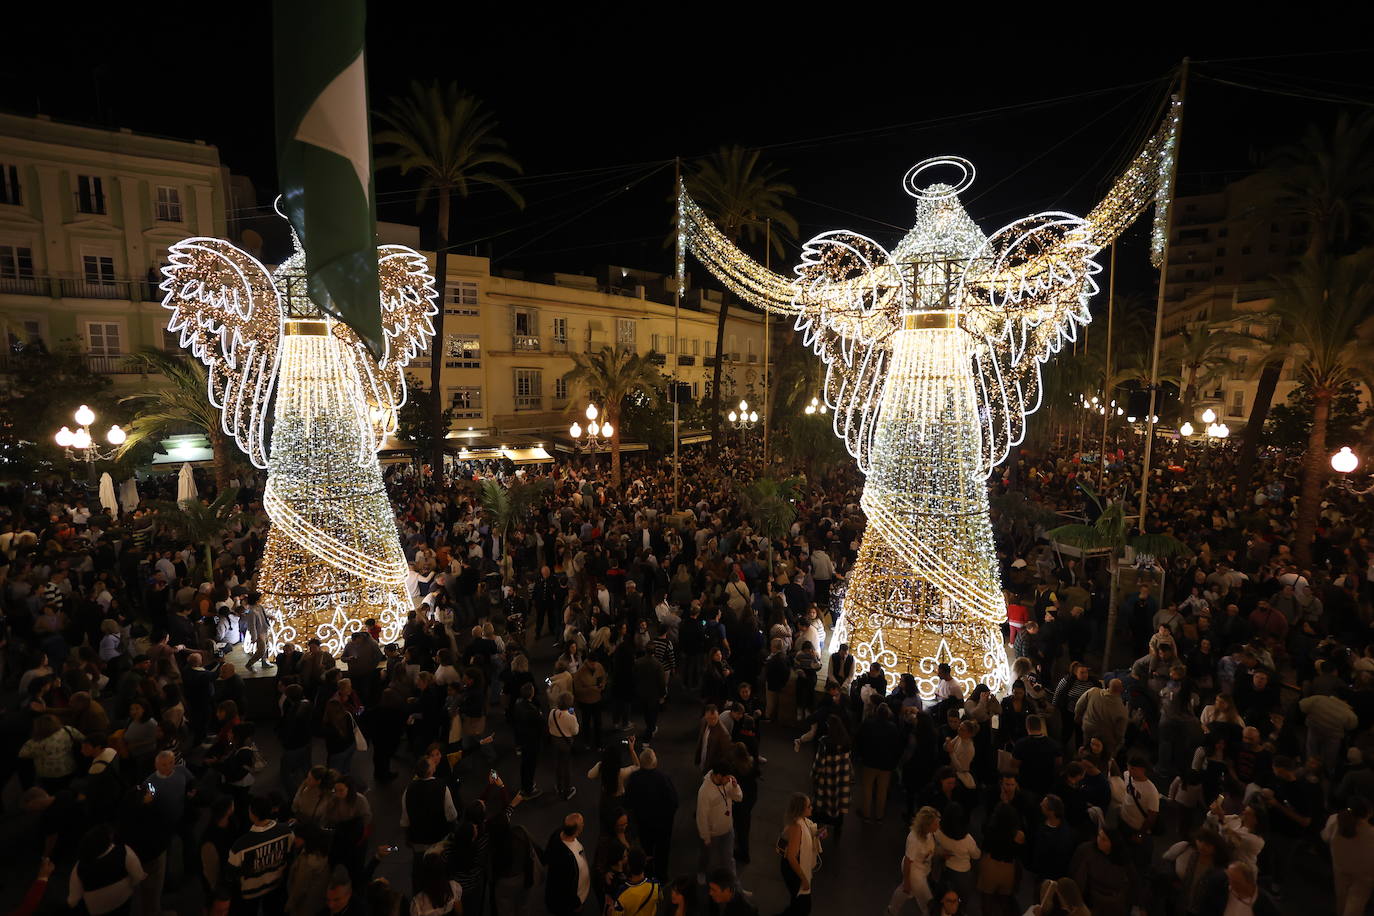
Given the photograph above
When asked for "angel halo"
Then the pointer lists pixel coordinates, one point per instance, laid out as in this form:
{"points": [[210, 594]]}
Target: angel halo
{"points": [[932, 353], [332, 559]]}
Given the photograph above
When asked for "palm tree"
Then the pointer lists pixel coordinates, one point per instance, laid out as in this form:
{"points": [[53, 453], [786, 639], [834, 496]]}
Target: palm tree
{"points": [[1325, 311], [611, 375], [741, 196], [1326, 179], [201, 522], [771, 504], [1111, 533], [444, 134], [507, 506], [182, 402], [1201, 350]]}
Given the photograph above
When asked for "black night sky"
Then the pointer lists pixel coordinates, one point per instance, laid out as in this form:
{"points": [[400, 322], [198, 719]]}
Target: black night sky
{"points": [[592, 100]]}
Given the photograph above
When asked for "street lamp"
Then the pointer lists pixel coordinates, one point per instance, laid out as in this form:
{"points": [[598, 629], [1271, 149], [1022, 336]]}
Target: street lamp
{"points": [[816, 406], [744, 418], [598, 434], [80, 445], [1209, 416], [1186, 429], [1345, 460], [1218, 430]]}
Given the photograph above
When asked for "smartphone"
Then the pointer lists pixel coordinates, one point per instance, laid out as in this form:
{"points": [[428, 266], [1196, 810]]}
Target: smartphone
{"points": [[493, 776], [392, 848], [150, 788]]}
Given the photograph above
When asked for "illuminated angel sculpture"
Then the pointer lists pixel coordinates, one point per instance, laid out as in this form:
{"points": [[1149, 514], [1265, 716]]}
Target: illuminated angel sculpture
{"points": [[933, 354], [333, 558]]}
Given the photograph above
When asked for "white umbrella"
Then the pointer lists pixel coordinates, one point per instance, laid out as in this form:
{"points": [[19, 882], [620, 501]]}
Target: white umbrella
{"points": [[128, 495], [107, 494], [186, 484]]}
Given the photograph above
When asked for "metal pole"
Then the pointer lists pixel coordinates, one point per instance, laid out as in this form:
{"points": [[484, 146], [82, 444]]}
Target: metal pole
{"points": [[767, 404], [1107, 371], [680, 269], [1159, 304]]}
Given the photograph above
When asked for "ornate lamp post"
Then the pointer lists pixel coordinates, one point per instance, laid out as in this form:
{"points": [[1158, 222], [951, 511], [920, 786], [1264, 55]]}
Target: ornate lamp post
{"points": [[816, 406], [80, 445], [598, 435], [744, 418]]}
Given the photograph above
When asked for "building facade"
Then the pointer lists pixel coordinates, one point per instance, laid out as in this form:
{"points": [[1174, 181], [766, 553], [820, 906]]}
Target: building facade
{"points": [[1225, 249], [509, 339], [86, 216]]}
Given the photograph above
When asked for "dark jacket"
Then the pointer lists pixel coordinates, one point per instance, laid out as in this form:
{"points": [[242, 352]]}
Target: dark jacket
{"points": [[560, 880]]}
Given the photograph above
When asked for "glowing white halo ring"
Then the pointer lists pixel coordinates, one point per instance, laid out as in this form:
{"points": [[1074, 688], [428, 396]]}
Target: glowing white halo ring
{"points": [[963, 184]]}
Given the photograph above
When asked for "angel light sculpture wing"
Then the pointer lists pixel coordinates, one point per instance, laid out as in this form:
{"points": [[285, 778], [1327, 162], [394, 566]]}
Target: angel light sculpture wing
{"points": [[229, 312], [332, 558], [933, 353]]}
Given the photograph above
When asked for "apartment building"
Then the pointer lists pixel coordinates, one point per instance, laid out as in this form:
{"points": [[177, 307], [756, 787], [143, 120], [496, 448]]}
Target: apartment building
{"points": [[510, 337], [86, 216], [1227, 240]]}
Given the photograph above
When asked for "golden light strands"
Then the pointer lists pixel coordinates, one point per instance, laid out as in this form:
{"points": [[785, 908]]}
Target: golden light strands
{"points": [[933, 355], [332, 558]]}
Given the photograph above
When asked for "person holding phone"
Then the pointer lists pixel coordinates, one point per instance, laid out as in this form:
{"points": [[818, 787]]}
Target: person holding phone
{"points": [[715, 823]]}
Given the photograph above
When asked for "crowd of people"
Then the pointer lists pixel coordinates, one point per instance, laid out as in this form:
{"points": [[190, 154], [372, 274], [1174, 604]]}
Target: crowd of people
{"points": [[1219, 762]]}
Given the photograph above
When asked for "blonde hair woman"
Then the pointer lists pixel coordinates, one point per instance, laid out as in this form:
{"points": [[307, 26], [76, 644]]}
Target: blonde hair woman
{"points": [[800, 846], [916, 862]]}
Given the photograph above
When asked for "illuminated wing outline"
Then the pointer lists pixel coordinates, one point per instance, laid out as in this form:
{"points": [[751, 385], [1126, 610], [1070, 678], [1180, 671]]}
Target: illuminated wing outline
{"points": [[1024, 294], [848, 296], [407, 296], [227, 311]]}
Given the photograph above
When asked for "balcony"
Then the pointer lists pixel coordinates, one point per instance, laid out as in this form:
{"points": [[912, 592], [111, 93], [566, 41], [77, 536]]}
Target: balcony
{"points": [[560, 346], [686, 360], [25, 286], [753, 358], [529, 402], [524, 342], [658, 359], [419, 362], [710, 361], [111, 364], [95, 289]]}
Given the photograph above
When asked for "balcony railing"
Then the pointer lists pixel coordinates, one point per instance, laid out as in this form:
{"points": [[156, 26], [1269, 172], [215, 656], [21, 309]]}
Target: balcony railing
{"points": [[89, 203], [753, 358], [529, 402], [524, 342], [95, 289], [25, 286], [419, 362], [111, 364], [686, 360], [710, 361], [658, 359], [560, 346]]}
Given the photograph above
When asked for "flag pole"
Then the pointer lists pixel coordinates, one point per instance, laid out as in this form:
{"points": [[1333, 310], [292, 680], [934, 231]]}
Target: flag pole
{"points": [[1159, 304]]}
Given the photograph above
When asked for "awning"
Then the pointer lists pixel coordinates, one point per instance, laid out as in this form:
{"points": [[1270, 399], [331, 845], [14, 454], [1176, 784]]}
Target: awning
{"points": [[532, 455], [191, 448]]}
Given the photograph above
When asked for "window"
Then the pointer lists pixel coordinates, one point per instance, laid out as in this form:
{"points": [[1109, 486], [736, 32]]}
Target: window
{"points": [[528, 389], [656, 343], [1221, 252], [171, 340], [16, 262], [560, 389], [733, 349], [32, 330], [710, 347], [672, 343], [9, 185], [1188, 274], [560, 331], [1218, 270], [750, 355], [525, 329], [98, 268], [168, 204], [90, 194], [1221, 232], [465, 402], [696, 390], [462, 351], [696, 347], [461, 298], [1237, 404], [1238, 370], [625, 329], [1245, 249], [102, 338]]}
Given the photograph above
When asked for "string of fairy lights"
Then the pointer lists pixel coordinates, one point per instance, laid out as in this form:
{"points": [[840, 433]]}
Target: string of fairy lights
{"points": [[933, 355]]}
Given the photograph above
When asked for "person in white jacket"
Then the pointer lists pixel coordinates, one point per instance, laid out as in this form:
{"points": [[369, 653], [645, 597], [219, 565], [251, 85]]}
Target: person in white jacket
{"points": [[715, 822]]}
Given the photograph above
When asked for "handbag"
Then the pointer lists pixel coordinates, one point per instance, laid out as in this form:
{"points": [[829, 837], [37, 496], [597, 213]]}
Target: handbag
{"points": [[359, 741]]}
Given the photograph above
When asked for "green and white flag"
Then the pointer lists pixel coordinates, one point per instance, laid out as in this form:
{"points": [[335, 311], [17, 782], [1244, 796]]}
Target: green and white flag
{"points": [[324, 156]]}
